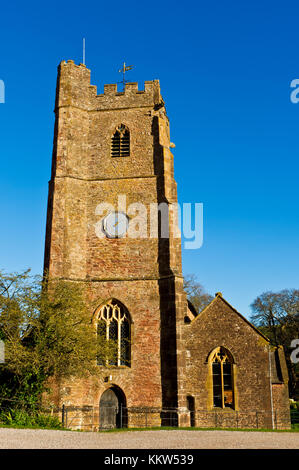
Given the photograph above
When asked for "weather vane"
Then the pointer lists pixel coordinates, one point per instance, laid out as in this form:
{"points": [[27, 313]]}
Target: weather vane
{"points": [[123, 70]]}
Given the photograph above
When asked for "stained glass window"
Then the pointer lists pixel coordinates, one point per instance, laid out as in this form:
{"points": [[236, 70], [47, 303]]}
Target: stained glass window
{"points": [[114, 327], [222, 371]]}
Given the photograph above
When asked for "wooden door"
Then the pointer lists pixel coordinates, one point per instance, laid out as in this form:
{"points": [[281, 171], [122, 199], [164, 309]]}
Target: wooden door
{"points": [[109, 408]]}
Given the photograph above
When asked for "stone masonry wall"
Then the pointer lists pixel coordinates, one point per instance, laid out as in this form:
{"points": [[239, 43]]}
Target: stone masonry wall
{"points": [[220, 325], [145, 273]]}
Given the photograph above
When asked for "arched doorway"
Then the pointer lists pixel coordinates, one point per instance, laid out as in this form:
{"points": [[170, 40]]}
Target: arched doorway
{"points": [[113, 412]]}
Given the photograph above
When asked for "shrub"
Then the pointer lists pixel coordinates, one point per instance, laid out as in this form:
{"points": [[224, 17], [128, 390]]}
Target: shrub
{"points": [[294, 405], [16, 417]]}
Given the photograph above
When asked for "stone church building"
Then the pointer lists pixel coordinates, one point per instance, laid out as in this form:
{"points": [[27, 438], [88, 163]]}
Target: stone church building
{"points": [[173, 365]]}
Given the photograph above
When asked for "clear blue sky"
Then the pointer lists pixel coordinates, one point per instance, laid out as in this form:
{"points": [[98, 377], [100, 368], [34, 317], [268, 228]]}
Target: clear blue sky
{"points": [[225, 70]]}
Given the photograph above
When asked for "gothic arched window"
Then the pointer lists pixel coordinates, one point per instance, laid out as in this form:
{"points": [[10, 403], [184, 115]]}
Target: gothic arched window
{"points": [[221, 363], [114, 332], [120, 142]]}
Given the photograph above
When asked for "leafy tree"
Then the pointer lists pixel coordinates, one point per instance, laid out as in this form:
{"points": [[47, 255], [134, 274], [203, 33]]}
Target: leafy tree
{"points": [[196, 293], [277, 316], [47, 332]]}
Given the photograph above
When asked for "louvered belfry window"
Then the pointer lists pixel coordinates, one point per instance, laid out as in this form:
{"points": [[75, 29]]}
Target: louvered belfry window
{"points": [[120, 142]]}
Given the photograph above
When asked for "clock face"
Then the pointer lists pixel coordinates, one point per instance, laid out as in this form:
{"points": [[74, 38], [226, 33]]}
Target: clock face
{"points": [[115, 225]]}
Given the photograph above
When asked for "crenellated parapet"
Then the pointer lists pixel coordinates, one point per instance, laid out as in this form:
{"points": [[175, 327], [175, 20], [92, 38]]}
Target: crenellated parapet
{"points": [[74, 89], [73, 85]]}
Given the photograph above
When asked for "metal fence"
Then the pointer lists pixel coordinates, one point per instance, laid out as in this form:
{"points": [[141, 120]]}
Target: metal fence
{"points": [[295, 418], [97, 418], [90, 418]]}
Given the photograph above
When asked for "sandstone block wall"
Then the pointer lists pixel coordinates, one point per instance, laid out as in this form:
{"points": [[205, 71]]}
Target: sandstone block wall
{"points": [[220, 325], [142, 273]]}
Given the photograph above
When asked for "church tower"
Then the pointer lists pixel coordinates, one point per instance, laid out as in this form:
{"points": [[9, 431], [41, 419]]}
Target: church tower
{"points": [[111, 228], [112, 166]]}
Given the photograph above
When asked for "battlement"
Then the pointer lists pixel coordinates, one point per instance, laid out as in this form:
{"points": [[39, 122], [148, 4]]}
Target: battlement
{"points": [[75, 89], [71, 62], [130, 88]]}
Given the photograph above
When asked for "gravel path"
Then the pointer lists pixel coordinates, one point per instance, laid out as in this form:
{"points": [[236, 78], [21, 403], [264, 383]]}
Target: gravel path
{"points": [[44, 439]]}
